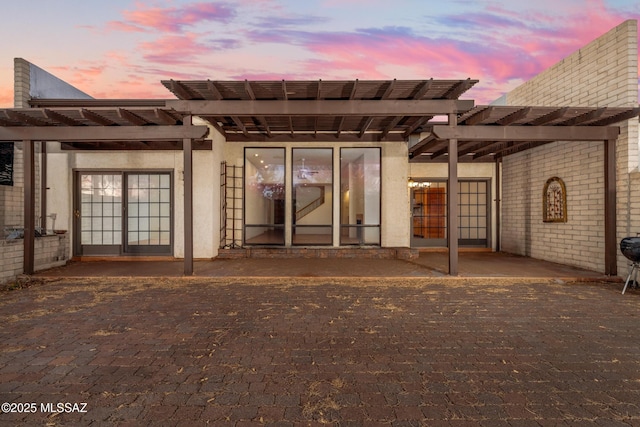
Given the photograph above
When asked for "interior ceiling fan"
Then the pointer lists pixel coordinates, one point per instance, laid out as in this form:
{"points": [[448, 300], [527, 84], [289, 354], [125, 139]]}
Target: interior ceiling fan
{"points": [[304, 172]]}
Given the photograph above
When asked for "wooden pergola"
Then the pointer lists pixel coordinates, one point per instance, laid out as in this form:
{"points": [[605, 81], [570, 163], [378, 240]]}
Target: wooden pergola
{"points": [[308, 112]]}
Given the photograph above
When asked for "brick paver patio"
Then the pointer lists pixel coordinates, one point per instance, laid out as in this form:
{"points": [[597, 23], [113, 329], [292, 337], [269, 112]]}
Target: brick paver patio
{"points": [[401, 352]]}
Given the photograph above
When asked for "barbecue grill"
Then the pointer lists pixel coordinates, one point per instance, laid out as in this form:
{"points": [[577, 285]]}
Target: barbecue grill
{"points": [[630, 248]]}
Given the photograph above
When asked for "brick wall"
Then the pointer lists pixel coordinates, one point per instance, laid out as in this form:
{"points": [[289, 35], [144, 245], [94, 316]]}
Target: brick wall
{"points": [[12, 197], [21, 83], [50, 251], [603, 73]]}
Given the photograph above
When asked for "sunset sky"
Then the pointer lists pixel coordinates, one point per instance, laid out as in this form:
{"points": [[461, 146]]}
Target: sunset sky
{"points": [[122, 48]]}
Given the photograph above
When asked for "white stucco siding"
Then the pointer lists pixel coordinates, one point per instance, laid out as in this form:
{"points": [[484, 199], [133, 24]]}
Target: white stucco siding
{"points": [[59, 193], [396, 212]]}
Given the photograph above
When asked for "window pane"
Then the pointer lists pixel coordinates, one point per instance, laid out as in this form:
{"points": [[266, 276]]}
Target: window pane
{"points": [[360, 196], [312, 196], [264, 197], [147, 203]]}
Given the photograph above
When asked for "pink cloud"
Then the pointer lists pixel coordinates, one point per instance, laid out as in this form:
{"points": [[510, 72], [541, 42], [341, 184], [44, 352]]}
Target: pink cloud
{"points": [[133, 86], [172, 19], [174, 49], [82, 76], [499, 47]]}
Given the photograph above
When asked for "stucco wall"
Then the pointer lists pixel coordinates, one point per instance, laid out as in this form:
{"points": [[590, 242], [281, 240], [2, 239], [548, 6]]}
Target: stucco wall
{"points": [[396, 206], [603, 73]]}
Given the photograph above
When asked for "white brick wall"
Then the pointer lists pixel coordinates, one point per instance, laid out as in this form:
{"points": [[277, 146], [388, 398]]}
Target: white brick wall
{"points": [[603, 73], [47, 249]]}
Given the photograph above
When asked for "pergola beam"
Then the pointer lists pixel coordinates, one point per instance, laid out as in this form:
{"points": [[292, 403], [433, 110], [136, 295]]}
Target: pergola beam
{"points": [[102, 133], [132, 118], [165, 117], [21, 117], [526, 133], [310, 136], [424, 89], [478, 117], [61, 118], [422, 145], [180, 89], [365, 126], [514, 117], [421, 121], [587, 117], [617, 118], [213, 89], [334, 108], [554, 115], [391, 125], [96, 118]]}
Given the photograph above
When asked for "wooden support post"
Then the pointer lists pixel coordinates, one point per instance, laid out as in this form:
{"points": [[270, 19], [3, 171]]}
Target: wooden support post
{"points": [[29, 207], [498, 204], [43, 186], [610, 238], [452, 202], [187, 148]]}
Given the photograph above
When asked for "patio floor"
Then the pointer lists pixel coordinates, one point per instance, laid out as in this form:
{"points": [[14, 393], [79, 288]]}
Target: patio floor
{"points": [[429, 264], [412, 351]]}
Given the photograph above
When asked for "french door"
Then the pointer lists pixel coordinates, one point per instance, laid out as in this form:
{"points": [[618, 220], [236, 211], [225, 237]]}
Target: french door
{"points": [[123, 213], [429, 213]]}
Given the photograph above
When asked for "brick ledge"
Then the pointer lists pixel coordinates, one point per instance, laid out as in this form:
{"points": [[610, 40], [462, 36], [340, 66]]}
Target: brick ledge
{"points": [[362, 253]]}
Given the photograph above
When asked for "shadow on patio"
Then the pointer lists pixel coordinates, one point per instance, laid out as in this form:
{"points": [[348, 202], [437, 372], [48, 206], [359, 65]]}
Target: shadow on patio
{"points": [[429, 264]]}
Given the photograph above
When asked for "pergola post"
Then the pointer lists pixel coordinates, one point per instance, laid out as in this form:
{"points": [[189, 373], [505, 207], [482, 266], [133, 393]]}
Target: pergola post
{"points": [[452, 202], [187, 148], [43, 186], [29, 206], [498, 204], [610, 247]]}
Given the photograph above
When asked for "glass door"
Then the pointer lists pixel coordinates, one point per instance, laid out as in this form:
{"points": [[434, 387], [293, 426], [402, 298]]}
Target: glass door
{"points": [[148, 213], [429, 213], [98, 214], [120, 213]]}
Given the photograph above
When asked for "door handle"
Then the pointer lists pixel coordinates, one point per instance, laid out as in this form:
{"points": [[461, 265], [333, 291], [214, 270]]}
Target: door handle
{"points": [[76, 213]]}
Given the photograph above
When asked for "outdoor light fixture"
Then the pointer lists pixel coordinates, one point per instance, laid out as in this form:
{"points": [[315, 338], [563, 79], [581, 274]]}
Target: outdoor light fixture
{"points": [[418, 184]]}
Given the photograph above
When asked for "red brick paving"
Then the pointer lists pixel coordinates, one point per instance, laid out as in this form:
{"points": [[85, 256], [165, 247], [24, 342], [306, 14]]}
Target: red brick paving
{"points": [[298, 352]]}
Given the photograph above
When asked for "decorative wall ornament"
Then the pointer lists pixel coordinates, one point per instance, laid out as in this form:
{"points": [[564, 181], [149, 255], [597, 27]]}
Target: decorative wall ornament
{"points": [[554, 201], [6, 163]]}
